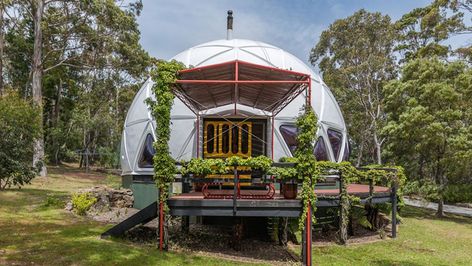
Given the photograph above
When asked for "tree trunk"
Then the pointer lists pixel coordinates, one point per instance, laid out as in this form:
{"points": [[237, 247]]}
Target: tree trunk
{"points": [[359, 154], [440, 212], [38, 7], [2, 44], [378, 148]]}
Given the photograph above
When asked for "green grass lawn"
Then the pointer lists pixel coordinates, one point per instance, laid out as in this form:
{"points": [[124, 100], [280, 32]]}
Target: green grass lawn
{"points": [[34, 229]]}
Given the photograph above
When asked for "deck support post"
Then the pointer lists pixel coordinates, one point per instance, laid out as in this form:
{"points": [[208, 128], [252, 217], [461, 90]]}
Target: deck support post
{"points": [[161, 225], [394, 209], [235, 190], [307, 239], [343, 230]]}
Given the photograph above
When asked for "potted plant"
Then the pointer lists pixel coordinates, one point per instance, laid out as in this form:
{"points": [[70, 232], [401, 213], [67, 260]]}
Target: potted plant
{"points": [[200, 168], [289, 178]]}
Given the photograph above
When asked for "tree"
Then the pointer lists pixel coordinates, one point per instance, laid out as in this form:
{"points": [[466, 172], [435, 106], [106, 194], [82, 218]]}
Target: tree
{"points": [[428, 125], [355, 56], [422, 31], [37, 72], [20, 124], [81, 72]]}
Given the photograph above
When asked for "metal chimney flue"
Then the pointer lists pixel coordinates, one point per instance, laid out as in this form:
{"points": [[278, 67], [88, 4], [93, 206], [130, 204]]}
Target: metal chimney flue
{"points": [[229, 25]]}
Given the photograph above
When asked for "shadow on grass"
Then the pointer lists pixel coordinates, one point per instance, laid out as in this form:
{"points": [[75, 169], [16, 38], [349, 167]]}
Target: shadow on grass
{"points": [[422, 213], [392, 262]]}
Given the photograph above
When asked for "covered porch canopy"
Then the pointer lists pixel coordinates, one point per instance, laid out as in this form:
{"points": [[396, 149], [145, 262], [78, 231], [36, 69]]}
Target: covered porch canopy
{"points": [[236, 82]]}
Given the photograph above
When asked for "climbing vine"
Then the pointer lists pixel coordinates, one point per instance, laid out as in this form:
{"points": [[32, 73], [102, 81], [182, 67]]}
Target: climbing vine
{"points": [[307, 169], [164, 76], [370, 173]]}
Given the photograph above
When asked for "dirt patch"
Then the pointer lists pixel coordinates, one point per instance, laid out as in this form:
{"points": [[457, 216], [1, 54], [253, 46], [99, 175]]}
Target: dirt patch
{"points": [[217, 241]]}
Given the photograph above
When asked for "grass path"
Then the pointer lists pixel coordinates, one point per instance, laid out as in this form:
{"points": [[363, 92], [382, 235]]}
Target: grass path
{"points": [[34, 229]]}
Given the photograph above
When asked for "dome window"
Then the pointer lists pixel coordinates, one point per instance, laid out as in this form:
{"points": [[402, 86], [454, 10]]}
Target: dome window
{"points": [[320, 151], [148, 153], [335, 139], [290, 133]]}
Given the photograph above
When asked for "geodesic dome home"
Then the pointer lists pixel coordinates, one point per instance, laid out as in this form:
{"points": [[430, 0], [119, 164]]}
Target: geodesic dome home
{"points": [[139, 129], [237, 97]]}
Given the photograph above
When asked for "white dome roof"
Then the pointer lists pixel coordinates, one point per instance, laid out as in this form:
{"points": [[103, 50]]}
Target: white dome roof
{"points": [[255, 52]]}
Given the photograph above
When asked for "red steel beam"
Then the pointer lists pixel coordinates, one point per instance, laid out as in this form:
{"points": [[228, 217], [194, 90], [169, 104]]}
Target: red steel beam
{"points": [[243, 63], [274, 69], [214, 81]]}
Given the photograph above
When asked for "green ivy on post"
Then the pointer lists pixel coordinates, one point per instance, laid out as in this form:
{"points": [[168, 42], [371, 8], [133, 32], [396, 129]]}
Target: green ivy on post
{"points": [[164, 77], [307, 170]]}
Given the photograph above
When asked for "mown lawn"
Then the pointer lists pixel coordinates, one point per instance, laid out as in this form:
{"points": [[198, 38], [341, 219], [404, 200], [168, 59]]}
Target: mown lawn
{"points": [[34, 229]]}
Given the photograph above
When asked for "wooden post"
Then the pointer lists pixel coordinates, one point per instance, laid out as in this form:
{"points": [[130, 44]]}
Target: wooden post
{"points": [[394, 209], [161, 222], [304, 241], [307, 258], [371, 190], [235, 181], [342, 227]]}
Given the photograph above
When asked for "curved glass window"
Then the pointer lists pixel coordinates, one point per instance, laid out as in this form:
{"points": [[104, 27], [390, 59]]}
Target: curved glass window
{"points": [[290, 133], [320, 151], [335, 139], [148, 153]]}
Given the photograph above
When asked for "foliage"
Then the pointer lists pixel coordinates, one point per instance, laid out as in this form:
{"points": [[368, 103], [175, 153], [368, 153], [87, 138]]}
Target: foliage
{"points": [[429, 121], [19, 123], [355, 55], [422, 30], [458, 193], [260, 162], [164, 77], [203, 167], [306, 167], [93, 64], [108, 157], [453, 193], [82, 202], [53, 201]]}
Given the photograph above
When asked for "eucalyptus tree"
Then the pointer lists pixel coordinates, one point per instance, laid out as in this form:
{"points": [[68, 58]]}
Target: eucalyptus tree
{"points": [[355, 56], [429, 126], [73, 54], [423, 30]]}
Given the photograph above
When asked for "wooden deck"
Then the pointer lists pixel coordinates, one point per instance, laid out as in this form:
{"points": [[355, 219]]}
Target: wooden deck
{"points": [[193, 203], [352, 189]]}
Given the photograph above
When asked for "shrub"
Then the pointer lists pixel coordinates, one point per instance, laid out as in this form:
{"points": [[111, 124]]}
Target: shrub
{"points": [[458, 193], [19, 126], [82, 202], [53, 201]]}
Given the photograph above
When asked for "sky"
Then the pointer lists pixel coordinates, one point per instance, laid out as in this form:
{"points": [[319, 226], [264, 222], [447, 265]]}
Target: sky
{"points": [[170, 27]]}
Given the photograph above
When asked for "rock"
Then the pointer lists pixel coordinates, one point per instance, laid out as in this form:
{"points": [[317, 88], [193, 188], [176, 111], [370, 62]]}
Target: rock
{"points": [[108, 198], [69, 206]]}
